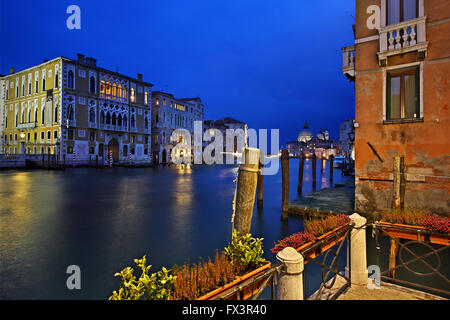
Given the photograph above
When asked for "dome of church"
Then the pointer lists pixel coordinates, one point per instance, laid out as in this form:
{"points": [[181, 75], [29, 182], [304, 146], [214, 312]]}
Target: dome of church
{"points": [[305, 135]]}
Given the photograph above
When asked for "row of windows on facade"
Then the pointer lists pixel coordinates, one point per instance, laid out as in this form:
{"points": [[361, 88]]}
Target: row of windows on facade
{"points": [[176, 106], [28, 137], [175, 119], [26, 116], [36, 90], [101, 151], [116, 91]]}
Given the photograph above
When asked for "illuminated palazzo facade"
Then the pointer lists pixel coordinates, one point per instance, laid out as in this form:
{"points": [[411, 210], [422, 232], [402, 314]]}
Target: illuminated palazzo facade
{"points": [[76, 110], [168, 114]]}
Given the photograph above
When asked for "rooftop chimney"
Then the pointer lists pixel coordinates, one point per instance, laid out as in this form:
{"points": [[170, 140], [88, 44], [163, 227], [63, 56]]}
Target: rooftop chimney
{"points": [[11, 70], [91, 61], [80, 58], [139, 76]]}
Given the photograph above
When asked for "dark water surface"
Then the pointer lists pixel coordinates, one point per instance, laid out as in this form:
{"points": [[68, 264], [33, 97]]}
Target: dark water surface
{"points": [[101, 220]]}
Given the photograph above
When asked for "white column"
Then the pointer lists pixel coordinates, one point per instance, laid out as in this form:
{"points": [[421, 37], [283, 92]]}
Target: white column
{"points": [[358, 255], [290, 283]]}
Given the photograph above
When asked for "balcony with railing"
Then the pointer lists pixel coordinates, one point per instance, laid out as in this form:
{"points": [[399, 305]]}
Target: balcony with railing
{"points": [[403, 37], [28, 125], [348, 62]]}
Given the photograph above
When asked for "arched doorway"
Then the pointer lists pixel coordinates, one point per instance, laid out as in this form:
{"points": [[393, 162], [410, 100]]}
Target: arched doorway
{"points": [[164, 156], [113, 148]]}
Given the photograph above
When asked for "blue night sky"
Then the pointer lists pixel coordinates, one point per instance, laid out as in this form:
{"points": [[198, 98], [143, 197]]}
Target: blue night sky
{"points": [[269, 63]]}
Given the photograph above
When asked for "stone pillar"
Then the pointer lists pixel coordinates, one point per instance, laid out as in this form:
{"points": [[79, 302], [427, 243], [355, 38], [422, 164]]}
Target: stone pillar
{"points": [[290, 283], [358, 255]]}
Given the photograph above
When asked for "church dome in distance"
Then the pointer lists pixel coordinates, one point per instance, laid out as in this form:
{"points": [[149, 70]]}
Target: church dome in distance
{"points": [[305, 135]]}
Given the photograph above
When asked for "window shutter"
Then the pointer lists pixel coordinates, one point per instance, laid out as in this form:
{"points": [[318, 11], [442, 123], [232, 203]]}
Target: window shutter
{"points": [[418, 93], [388, 97]]}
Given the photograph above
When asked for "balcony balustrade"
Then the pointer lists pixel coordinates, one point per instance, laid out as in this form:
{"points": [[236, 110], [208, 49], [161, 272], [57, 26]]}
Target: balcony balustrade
{"points": [[403, 37], [348, 62]]}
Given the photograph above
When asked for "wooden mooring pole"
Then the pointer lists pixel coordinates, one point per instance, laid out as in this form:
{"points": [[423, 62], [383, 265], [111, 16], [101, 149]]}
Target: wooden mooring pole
{"points": [[331, 170], [246, 191], [314, 163], [285, 180], [259, 196], [398, 204], [300, 174]]}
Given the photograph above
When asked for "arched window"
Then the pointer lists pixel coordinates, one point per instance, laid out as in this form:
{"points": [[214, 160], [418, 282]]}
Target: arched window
{"points": [[56, 79], [132, 124], [132, 95], [146, 123], [125, 92], [119, 90], [70, 79], [23, 116], [156, 118], [6, 121], [92, 115], [102, 117], [70, 112], [108, 89], [125, 122], [119, 120], [102, 88], [108, 118], [35, 114], [42, 115], [114, 119], [56, 114], [114, 90], [92, 85], [146, 98]]}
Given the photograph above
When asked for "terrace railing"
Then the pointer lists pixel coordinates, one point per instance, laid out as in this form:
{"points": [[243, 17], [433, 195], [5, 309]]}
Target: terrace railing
{"points": [[423, 238]]}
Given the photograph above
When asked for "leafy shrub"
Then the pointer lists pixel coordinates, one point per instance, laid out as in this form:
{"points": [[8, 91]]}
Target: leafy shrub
{"points": [[194, 282], [245, 252], [295, 241], [154, 287], [321, 226]]}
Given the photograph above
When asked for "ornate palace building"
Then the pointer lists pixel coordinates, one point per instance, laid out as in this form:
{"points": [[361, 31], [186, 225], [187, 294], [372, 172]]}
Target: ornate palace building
{"points": [[401, 76], [168, 114], [75, 109]]}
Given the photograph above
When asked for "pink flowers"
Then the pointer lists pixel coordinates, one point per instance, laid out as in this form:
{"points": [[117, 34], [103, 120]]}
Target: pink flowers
{"points": [[417, 217], [435, 224], [313, 228], [295, 241]]}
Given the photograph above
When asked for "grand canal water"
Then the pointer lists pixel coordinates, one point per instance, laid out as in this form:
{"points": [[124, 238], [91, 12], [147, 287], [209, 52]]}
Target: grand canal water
{"points": [[101, 220]]}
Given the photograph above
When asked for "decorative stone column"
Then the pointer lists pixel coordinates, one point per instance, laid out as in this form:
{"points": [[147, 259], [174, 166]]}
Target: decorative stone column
{"points": [[358, 254], [290, 283]]}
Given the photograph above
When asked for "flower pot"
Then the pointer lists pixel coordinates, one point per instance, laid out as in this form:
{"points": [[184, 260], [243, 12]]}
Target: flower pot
{"points": [[246, 292], [326, 243], [413, 233]]}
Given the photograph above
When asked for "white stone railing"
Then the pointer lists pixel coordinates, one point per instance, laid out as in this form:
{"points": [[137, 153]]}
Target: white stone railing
{"points": [[348, 57], [28, 125], [404, 35]]}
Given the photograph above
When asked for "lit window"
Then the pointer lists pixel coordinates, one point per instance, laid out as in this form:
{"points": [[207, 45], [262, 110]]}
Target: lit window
{"points": [[403, 96], [132, 95], [146, 97], [114, 90]]}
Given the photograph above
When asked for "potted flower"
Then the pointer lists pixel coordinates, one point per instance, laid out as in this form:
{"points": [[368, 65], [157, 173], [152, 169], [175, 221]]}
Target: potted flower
{"points": [[316, 230], [414, 224], [240, 262]]}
